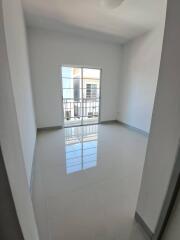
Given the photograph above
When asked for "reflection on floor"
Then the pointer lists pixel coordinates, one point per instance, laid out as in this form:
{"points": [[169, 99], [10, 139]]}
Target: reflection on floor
{"points": [[81, 148], [86, 183]]}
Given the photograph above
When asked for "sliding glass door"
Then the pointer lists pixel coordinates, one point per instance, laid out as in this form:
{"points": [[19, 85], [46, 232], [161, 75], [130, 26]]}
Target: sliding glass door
{"points": [[81, 95]]}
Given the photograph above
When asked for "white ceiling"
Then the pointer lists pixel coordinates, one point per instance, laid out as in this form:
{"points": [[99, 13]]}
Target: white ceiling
{"points": [[128, 20]]}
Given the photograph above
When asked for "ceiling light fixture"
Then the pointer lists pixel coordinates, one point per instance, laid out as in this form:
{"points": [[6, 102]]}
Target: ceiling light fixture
{"points": [[111, 3]]}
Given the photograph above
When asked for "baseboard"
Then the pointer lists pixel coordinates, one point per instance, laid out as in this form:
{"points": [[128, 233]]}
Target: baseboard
{"points": [[143, 225], [133, 128], [49, 128], [126, 125], [108, 122]]}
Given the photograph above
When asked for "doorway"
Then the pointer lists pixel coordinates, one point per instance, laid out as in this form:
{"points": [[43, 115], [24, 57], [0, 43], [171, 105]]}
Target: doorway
{"points": [[81, 95]]}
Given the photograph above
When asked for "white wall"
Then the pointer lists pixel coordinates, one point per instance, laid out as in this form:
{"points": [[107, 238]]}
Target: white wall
{"points": [[20, 76], [10, 119], [165, 126], [141, 60], [49, 50]]}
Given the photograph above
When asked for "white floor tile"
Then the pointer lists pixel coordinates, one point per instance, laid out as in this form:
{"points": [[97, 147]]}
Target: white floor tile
{"points": [[86, 183]]}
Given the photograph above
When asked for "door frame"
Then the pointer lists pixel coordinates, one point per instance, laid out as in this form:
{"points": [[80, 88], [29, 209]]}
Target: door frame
{"points": [[170, 199], [100, 81]]}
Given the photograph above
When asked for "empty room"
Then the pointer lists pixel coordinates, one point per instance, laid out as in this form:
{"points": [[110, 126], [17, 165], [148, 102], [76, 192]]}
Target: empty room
{"points": [[89, 119]]}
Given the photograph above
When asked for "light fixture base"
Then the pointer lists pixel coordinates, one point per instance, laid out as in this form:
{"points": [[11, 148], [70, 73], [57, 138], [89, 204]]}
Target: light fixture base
{"points": [[111, 3]]}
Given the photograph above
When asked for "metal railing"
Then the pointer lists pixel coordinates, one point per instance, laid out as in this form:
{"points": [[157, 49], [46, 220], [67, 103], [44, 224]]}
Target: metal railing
{"points": [[76, 109]]}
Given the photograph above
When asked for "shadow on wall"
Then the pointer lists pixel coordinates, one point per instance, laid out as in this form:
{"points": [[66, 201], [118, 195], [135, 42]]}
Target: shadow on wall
{"points": [[7, 209]]}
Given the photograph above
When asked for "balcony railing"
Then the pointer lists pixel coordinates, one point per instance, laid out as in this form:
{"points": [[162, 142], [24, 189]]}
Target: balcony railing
{"points": [[77, 109]]}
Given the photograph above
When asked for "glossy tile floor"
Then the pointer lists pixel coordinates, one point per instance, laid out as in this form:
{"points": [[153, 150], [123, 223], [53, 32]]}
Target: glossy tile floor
{"points": [[86, 183]]}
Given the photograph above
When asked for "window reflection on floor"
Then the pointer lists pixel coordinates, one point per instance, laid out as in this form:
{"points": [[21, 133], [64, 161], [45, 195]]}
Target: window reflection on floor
{"points": [[81, 148]]}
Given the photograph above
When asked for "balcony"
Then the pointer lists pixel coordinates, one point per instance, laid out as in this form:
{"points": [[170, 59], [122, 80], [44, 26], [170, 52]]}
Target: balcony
{"points": [[80, 111]]}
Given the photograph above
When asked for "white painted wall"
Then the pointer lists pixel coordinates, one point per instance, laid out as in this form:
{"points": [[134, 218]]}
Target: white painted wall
{"points": [[165, 126], [20, 77], [49, 50], [11, 134], [141, 61]]}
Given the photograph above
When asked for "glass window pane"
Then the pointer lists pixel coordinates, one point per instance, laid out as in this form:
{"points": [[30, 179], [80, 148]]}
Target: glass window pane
{"points": [[67, 72], [71, 72], [76, 73], [80, 95], [91, 73], [68, 93], [67, 82]]}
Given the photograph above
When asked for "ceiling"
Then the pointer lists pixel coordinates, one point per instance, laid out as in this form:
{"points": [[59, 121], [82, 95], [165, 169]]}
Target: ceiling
{"points": [[126, 21]]}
